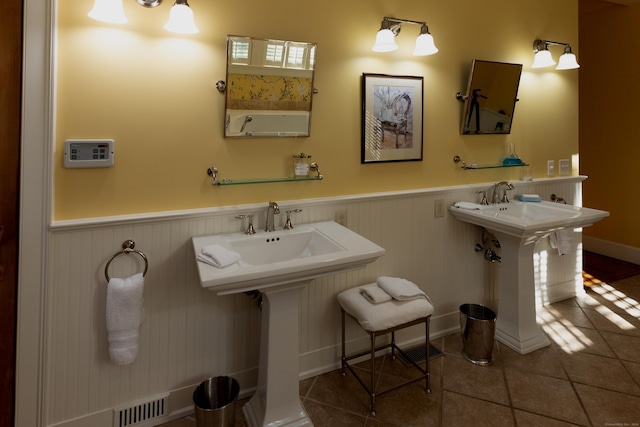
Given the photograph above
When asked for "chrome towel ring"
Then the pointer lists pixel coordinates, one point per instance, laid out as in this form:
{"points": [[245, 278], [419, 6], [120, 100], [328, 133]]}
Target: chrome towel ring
{"points": [[128, 246]]}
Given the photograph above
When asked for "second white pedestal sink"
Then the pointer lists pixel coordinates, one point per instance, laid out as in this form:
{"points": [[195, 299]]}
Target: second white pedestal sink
{"points": [[281, 264], [518, 226]]}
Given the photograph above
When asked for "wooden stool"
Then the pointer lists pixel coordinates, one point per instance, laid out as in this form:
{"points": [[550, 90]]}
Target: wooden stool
{"points": [[381, 319]]}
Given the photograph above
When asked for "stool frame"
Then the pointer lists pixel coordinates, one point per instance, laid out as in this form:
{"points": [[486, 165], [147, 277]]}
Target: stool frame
{"points": [[426, 372]]}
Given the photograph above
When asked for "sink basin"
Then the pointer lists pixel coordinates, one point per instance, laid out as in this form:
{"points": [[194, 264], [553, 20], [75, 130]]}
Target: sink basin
{"points": [[285, 256], [527, 219], [284, 247], [281, 264]]}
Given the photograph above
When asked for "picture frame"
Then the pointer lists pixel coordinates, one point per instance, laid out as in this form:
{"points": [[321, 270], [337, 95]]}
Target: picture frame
{"points": [[392, 112]]}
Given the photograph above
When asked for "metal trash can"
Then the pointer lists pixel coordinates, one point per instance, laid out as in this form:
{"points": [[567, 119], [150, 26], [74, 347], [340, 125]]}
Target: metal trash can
{"points": [[477, 327], [215, 402]]}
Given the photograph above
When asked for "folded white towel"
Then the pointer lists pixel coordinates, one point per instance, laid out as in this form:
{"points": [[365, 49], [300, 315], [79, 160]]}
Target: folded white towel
{"points": [[374, 294], [563, 241], [400, 289], [125, 312], [218, 256], [470, 206], [378, 317]]}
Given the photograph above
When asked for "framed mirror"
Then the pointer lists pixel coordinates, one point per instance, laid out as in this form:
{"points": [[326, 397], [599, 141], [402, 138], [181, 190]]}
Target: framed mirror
{"points": [[269, 87], [490, 100]]}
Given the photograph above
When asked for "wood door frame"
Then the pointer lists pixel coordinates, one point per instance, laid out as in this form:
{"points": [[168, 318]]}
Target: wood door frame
{"points": [[35, 209]]}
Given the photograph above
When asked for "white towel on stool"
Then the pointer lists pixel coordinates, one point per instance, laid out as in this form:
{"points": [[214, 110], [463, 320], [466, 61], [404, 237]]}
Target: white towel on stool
{"points": [[374, 294], [125, 312], [563, 240], [218, 256], [400, 289]]}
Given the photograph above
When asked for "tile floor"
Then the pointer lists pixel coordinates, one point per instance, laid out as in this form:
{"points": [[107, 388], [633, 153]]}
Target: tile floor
{"points": [[589, 376]]}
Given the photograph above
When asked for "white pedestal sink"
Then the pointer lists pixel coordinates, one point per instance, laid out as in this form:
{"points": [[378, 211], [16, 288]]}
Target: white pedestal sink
{"points": [[281, 264], [518, 226]]}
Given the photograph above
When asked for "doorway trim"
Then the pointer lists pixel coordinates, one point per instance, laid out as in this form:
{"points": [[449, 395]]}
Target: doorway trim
{"points": [[35, 209]]}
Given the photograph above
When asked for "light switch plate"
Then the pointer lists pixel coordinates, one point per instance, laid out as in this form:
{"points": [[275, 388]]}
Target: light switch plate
{"points": [[551, 167], [565, 166], [88, 153]]}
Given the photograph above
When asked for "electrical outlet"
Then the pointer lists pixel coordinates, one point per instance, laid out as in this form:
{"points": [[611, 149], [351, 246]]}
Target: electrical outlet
{"points": [[438, 208], [341, 218], [551, 167], [565, 166]]}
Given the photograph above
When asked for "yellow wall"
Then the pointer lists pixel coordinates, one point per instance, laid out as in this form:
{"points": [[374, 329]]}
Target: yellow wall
{"points": [[154, 93], [609, 117]]}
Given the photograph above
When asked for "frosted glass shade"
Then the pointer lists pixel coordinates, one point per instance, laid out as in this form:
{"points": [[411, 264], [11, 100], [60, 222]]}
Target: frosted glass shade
{"points": [[567, 61], [543, 59], [385, 41], [110, 11], [181, 20], [425, 45]]}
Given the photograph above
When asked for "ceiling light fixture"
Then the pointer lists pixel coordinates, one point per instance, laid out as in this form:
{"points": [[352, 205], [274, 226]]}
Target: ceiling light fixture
{"points": [[385, 39], [543, 57], [180, 17]]}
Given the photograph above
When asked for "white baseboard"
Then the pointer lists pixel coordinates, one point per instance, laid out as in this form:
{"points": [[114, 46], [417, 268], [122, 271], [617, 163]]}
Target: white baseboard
{"points": [[611, 249]]}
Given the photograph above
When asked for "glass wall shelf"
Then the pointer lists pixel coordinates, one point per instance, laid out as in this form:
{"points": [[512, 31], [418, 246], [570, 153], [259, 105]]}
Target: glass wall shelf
{"points": [[226, 181], [213, 173], [494, 166], [464, 165]]}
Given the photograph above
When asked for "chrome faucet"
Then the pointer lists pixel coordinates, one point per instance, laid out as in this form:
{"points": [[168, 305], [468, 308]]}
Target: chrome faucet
{"points": [[272, 209], [496, 192]]}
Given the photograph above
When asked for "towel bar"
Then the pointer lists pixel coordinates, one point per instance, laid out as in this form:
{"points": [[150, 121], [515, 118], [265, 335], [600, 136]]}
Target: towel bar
{"points": [[128, 246]]}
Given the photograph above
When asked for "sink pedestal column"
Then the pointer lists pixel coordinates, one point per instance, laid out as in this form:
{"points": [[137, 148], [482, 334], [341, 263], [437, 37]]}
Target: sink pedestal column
{"points": [[276, 401], [516, 324]]}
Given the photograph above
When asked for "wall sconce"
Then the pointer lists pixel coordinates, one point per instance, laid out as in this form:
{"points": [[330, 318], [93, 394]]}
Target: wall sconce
{"points": [[543, 57], [385, 39], [180, 17]]}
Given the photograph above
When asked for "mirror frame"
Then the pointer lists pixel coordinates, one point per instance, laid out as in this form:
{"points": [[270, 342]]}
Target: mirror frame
{"points": [[471, 96], [282, 102]]}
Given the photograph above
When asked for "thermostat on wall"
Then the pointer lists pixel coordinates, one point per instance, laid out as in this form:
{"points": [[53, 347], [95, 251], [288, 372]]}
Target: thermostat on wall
{"points": [[88, 153]]}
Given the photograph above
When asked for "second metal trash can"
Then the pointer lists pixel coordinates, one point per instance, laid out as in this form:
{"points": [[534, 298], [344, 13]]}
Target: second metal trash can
{"points": [[215, 402], [477, 327]]}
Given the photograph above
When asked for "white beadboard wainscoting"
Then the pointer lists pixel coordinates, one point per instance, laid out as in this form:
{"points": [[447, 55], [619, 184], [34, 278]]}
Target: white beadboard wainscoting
{"points": [[189, 333]]}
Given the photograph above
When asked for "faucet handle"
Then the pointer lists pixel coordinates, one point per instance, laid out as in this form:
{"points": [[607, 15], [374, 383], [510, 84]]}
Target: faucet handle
{"points": [[288, 225], [250, 230], [484, 200]]}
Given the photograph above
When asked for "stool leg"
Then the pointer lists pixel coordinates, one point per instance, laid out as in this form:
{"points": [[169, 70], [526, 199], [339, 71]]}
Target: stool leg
{"points": [[344, 357], [373, 374], [427, 359], [393, 345]]}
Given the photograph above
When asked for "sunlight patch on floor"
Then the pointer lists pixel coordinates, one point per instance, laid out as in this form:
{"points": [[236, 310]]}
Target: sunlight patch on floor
{"points": [[564, 333], [620, 299]]}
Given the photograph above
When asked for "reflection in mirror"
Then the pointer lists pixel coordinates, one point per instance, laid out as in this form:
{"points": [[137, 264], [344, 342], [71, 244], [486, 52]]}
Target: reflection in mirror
{"points": [[269, 87], [491, 98]]}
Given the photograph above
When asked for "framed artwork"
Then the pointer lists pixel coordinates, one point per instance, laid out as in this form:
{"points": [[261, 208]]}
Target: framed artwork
{"points": [[391, 118]]}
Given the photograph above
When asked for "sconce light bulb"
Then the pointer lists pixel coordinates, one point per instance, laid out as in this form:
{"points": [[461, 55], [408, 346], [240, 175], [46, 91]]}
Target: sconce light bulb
{"points": [[181, 19], [567, 60], [543, 59], [425, 45], [110, 11], [385, 41]]}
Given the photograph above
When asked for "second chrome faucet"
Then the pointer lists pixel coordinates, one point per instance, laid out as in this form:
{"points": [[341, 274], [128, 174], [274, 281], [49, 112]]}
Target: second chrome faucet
{"points": [[496, 192]]}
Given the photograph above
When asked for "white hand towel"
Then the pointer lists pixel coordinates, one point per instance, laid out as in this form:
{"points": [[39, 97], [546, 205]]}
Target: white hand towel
{"points": [[374, 294], [563, 240], [218, 256], [400, 289], [125, 311], [470, 206]]}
